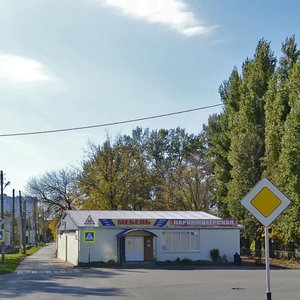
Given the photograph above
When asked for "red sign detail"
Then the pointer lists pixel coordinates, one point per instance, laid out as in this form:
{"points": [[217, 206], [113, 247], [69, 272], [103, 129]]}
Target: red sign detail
{"points": [[204, 223]]}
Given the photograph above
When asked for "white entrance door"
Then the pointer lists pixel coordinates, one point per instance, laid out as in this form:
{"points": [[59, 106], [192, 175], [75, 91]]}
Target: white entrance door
{"points": [[134, 248]]}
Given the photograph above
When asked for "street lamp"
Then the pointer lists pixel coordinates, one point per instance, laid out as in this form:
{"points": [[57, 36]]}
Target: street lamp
{"points": [[3, 186]]}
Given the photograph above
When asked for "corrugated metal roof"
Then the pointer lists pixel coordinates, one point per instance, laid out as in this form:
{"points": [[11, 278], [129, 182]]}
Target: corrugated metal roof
{"points": [[79, 217]]}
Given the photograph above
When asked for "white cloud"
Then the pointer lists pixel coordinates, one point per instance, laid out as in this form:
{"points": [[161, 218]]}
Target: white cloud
{"points": [[173, 13], [18, 68]]}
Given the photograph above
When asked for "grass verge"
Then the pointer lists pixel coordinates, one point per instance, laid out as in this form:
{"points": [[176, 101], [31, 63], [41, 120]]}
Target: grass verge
{"points": [[13, 260]]}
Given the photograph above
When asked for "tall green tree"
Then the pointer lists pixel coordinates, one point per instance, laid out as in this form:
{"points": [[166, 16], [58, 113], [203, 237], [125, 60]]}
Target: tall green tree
{"points": [[198, 184], [277, 109], [257, 135], [218, 138], [289, 177], [114, 177], [247, 133], [159, 170], [189, 184], [218, 143]]}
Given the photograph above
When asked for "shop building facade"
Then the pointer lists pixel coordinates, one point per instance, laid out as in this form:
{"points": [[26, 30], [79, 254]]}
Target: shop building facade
{"points": [[144, 236]]}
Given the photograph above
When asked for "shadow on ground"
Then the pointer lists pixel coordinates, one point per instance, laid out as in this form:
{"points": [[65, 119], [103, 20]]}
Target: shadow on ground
{"points": [[20, 286]]}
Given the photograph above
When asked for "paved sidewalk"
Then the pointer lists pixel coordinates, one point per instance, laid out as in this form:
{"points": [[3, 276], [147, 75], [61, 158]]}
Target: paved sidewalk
{"points": [[44, 262]]}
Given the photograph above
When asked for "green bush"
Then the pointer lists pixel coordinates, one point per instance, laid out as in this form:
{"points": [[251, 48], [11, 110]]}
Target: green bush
{"points": [[187, 261], [215, 254]]}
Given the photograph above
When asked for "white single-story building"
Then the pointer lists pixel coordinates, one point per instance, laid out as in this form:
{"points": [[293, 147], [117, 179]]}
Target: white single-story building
{"points": [[126, 236]]}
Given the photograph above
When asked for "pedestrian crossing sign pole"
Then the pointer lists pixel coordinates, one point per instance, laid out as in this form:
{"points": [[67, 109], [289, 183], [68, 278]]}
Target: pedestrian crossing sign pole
{"points": [[2, 235], [89, 236]]}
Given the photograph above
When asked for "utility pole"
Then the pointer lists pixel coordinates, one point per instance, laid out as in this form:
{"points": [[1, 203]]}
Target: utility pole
{"points": [[21, 219], [22, 223], [24, 226], [3, 186], [34, 222], [44, 227], [29, 229], [2, 215], [13, 219], [38, 239]]}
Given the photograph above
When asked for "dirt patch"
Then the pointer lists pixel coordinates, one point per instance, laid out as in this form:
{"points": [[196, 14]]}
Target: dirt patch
{"points": [[282, 263]]}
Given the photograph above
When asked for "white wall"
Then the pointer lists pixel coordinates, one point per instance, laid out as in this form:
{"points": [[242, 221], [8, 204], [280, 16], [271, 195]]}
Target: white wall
{"points": [[61, 246], [226, 240], [104, 249], [72, 248], [67, 247]]}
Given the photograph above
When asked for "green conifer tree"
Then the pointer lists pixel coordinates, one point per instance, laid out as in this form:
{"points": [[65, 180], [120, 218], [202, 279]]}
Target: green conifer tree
{"points": [[289, 176], [277, 109], [247, 136]]}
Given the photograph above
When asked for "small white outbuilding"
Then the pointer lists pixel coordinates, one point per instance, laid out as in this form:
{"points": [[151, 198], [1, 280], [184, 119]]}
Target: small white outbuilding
{"points": [[144, 236]]}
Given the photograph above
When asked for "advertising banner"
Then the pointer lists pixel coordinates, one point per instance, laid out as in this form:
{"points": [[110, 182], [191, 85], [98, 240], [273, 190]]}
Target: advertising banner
{"points": [[169, 223]]}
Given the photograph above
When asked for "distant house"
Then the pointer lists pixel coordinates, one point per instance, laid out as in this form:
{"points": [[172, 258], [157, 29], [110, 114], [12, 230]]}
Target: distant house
{"points": [[144, 236]]}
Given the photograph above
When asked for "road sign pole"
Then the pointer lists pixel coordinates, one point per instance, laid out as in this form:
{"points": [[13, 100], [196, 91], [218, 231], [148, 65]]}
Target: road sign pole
{"points": [[267, 258], [266, 202]]}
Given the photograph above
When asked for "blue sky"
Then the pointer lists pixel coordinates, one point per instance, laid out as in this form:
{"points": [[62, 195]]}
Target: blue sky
{"points": [[66, 63]]}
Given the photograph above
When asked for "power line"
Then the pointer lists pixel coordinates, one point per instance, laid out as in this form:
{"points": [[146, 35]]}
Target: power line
{"points": [[110, 124]]}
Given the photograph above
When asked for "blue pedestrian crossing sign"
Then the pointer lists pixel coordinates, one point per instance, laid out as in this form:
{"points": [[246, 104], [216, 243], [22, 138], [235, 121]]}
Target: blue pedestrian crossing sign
{"points": [[89, 236], [2, 235]]}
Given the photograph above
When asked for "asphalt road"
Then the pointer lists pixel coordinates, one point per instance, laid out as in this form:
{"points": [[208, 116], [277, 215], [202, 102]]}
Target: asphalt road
{"points": [[43, 277]]}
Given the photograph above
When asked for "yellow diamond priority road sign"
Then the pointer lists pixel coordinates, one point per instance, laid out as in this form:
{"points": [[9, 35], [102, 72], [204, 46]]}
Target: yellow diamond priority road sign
{"points": [[265, 201]]}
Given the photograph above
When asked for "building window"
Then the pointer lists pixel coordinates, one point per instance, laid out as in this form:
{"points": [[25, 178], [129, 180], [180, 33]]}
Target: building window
{"points": [[175, 238], [166, 241], [194, 240], [180, 241], [185, 237]]}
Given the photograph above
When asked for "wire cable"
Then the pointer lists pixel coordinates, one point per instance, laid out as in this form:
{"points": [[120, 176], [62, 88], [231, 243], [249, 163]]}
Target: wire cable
{"points": [[110, 124]]}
